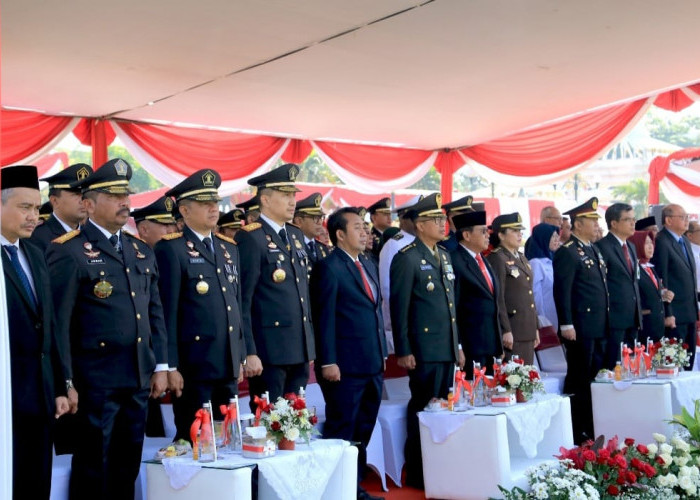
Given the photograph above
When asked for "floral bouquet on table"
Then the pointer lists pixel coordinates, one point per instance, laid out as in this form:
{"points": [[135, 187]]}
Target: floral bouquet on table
{"points": [[522, 378], [555, 481], [289, 418], [670, 352]]}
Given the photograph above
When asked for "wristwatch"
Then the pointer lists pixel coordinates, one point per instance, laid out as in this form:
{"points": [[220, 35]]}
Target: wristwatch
{"points": [[69, 385]]}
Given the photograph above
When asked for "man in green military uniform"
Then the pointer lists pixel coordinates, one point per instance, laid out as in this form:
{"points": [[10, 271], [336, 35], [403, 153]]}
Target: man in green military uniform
{"points": [[424, 324]]}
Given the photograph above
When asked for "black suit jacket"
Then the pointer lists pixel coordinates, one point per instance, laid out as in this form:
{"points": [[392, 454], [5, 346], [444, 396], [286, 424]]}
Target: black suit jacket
{"points": [[348, 325], [276, 315], [205, 338], [623, 285], [678, 275], [580, 290], [477, 307], [652, 305], [112, 342], [35, 363], [423, 313], [47, 232]]}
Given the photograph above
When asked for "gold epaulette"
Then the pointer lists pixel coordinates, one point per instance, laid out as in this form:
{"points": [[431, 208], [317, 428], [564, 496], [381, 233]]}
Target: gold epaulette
{"points": [[293, 225], [132, 235], [397, 236], [568, 244], [171, 236], [252, 226], [65, 237], [226, 238], [407, 247], [496, 250]]}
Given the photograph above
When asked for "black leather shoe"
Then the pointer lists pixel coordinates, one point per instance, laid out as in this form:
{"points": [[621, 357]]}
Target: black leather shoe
{"points": [[363, 495]]}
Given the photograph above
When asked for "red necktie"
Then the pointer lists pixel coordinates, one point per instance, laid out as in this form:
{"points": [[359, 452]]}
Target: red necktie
{"points": [[486, 274], [651, 275], [368, 289], [626, 251]]}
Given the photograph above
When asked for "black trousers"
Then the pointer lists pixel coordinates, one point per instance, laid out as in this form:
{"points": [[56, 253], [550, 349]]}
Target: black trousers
{"points": [[107, 457], [194, 395], [278, 380], [426, 381], [612, 349], [32, 456], [352, 405], [685, 332], [584, 357]]}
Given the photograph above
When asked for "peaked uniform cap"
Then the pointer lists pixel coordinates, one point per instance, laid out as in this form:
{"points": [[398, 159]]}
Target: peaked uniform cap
{"points": [[233, 218], [160, 211], [250, 205], [282, 178], [68, 178], [311, 205], [203, 185], [382, 206], [507, 221], [588, 210], [430, 206], [459, 206], [111, 178], [402, 210]]}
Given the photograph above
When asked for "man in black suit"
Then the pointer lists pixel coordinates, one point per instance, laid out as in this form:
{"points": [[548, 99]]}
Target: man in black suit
{"points": [[276, 309], [110, 319], [308, 216], [673, 260], [201, 294], [67, 202], [380, 217], [423, 317], [37, 371], [581, 297], [452, 209], [350, 341], [623, 271], [476, 292]]}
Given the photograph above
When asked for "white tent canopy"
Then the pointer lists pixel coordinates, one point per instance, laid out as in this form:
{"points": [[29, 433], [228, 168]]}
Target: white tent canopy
{"points": [[432, 74]]}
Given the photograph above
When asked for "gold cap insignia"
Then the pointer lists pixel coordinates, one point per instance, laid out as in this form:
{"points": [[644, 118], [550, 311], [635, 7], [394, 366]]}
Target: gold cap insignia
{"points": [[520, 219], [168, 204], [208, 178], [594, 204], [317, 200], [438, 200], [82, 173], [121, 167], [293, 172]]}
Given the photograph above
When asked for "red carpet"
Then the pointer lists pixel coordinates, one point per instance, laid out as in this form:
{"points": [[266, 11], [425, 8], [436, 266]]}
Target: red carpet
{"points": [[374, 486]]}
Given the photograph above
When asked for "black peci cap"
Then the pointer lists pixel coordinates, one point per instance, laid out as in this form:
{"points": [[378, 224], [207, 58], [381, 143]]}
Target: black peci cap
{"points": [[469, 219], [644, 223], [19, 176]]}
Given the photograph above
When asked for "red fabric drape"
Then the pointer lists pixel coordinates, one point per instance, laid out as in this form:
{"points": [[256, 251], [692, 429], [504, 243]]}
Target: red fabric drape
{"points": [[558, 146], [26, 132], [45, 163], [374, 162], [658, 170], [297, 151], [98, 134], [186, 150], [447, 163], [674, 100]]}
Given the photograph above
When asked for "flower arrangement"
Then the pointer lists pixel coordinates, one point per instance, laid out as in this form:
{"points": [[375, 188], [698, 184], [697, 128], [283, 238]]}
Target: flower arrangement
{"points": [[657, 471], [517, 376], [669, 352], [288, 418]]}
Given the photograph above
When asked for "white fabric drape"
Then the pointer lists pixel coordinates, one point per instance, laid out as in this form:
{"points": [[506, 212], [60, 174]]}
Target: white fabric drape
{"points": [[368, 186], [170, 178]]}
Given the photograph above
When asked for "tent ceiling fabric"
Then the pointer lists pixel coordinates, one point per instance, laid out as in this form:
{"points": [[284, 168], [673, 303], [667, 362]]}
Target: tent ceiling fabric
{"points": [[446, 73]]}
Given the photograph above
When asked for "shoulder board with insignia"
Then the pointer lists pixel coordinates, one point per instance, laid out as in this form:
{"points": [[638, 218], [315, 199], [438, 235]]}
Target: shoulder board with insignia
{"points": [[293, 225], [252, 226], [132, 235], [171, 236], [226, 238], [65, 237], [407, 247], [568, 244], [397, 236], [496, 250]]}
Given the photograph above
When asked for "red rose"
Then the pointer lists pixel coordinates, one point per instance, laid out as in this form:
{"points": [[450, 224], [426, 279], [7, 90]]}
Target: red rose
{"points": [[298, 404], [606, 476], [642, 449], [290, 396], [275, 426], [657, 344], [604, 453], [620, 461], [631, 477], [636, 463], [613, 490], [534, 375], [673, 341], [629, 442], [313, 420], [621, 479], [659, 461], [649, 470], [685, 346], [589, 455]]}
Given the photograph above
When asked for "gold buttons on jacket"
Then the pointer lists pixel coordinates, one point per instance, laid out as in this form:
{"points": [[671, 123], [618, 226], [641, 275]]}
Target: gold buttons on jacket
{"points": [[138, 340], [133, 294], [277, 323], [138, 315], [228, 308], [102, 344], [230, 328], [426, 329], [196, 338]]}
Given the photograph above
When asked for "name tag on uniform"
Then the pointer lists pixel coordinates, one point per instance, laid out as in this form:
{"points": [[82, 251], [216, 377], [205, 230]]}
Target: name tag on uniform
{"points": [[197, 260], [96, 261], [426, 267]]}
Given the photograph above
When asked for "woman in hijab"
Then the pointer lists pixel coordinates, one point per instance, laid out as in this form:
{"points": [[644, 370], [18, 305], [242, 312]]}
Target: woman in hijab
{"points": [[654, 297], [540, 252]]}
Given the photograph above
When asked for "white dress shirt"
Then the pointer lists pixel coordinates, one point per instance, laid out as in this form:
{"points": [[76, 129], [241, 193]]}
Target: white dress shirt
{"points": [[23, 261]]}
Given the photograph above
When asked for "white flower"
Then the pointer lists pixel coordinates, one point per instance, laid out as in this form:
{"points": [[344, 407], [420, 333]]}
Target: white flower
{"points": [[539, 490], [668, 459], [292, 434], [682, 445], [666, 448], [652, 449], [680, 461], [659, 438], [514, 380]]}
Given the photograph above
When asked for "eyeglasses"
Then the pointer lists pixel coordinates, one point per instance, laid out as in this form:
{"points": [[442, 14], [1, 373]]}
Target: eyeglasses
{"points": [[438, 220], [627, 219], [316, 218], [684, 217]]}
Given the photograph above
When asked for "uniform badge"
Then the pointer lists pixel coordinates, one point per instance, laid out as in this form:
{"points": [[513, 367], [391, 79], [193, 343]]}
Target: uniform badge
{"points": [[515, 273], [89, 251], [102, 289], [272, 245], [281, 257], [430, 286], [297, 244], [422, 261], [202, 286], [278, 275], [268, 237], [192, 251], [139, 255], [450, 276]]}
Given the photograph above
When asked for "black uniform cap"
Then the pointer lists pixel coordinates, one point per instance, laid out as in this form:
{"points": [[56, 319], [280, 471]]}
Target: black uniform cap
{"points": [[68, 178], [430, 206], [203, 185], [311, 205], [160, 211], [281, 178], [382, 206], [112, 178], [45, 210], [459, 206], [507, 221], [234, 219], [587, 210], [250, 205]]}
